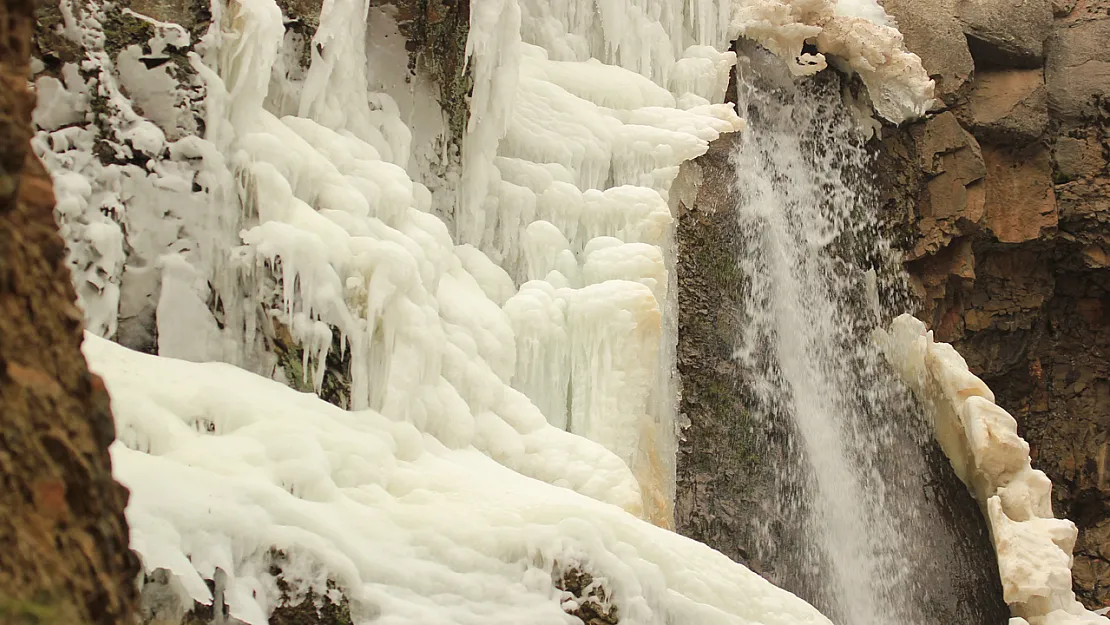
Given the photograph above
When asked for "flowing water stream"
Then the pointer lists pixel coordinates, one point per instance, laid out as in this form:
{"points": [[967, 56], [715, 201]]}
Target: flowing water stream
{"points": [[851, 503]]}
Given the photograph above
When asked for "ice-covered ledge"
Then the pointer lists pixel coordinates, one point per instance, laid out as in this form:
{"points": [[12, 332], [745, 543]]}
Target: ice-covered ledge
{"points": [[853, 35], [402, 526], [1034, 548]]}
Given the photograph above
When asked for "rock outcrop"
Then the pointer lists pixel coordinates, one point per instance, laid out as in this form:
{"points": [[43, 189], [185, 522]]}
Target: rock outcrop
{"points": [[1012, 268], [64, 556], [723, 474]]}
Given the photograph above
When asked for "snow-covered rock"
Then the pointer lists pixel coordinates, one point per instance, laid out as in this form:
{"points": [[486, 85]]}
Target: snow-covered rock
{"points": [[225, 466]]}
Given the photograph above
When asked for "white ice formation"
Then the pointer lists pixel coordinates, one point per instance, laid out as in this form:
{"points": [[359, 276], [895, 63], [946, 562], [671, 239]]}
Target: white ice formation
{"points": [[855, 35], [224, 465], [508, 323], [1034, 548]]}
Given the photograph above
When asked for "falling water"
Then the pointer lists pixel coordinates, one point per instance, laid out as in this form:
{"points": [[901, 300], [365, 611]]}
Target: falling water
{"points": [[850, 496]]}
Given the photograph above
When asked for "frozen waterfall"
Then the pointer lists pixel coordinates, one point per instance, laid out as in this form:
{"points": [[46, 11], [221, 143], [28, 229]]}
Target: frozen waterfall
{"points": [[274, 217]]}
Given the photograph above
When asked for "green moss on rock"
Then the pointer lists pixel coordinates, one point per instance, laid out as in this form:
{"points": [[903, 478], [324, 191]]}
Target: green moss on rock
{"points": [[336, 387], [123, 30], [40, 610]]}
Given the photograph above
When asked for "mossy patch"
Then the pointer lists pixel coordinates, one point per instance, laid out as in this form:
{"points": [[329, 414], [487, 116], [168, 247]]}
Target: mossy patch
{"points": [[336, 387], [123, 30], [42, 609]]}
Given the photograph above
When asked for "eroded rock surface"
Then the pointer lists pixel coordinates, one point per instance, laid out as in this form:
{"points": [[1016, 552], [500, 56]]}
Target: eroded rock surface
{"points": [[932, 31], [1019, 284], [63, 538], [724, 474], [1006, 32]]}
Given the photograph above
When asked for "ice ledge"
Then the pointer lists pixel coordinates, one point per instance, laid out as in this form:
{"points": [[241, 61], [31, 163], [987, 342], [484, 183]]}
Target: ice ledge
{"points": [[1034, 548], [899, 87]]}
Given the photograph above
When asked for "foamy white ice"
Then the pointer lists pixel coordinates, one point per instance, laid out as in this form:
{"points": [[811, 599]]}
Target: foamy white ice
{"points": [[856, 35], [224, 466]]}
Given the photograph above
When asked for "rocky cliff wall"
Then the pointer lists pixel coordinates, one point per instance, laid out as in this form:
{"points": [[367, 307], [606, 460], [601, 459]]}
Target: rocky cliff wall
{"points": [[1000, 201], [64, 556]]}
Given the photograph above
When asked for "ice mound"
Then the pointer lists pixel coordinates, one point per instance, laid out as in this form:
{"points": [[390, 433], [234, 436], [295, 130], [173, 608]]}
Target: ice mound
{"points": [[225, 466]]}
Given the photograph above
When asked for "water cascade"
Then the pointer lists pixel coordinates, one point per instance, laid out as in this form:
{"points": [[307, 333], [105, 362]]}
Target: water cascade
{"points": [[850, 499]]}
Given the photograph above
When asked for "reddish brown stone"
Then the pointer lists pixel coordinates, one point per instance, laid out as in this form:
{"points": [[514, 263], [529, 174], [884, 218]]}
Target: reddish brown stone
{"points": [[63, 536], [1008, 106], [1020, 201]]}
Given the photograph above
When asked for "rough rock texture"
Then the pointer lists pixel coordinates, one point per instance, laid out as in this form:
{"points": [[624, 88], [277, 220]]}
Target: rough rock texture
{"points": [[1020, 285], [933, 32], [1077, 67], [723, 473], [1008, 106], [1006, 32], [591, 601], [63, 537]]}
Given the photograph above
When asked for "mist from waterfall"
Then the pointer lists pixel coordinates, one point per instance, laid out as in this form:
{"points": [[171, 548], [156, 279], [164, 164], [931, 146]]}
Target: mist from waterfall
{"points": [[850, 508]]}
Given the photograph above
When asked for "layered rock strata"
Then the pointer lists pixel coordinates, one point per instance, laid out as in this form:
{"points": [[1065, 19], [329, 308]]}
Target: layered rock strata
{"points": [[1000, 199]]}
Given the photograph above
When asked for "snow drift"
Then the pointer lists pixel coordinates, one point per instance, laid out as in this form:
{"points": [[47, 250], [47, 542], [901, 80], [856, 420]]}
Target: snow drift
{"points": [[224, 465]]}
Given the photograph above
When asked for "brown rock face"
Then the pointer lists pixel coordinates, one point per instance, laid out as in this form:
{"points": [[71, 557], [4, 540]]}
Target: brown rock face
{"points": [[1020, 202], [1006, 32], [933, 32], [1077, 68], [1008, 106], [63, 538], [1023, 287], [948, 168]]}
